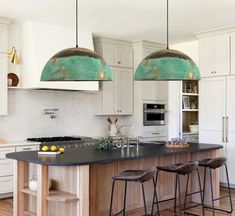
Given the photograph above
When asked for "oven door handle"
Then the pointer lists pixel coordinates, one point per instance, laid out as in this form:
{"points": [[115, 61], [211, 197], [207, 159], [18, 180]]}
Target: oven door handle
{"points": [[155, 111]]}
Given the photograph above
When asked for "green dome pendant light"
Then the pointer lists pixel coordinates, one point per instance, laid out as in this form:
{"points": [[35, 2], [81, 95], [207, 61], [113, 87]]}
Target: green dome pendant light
{"points": [[76, 64], [167, 64]]}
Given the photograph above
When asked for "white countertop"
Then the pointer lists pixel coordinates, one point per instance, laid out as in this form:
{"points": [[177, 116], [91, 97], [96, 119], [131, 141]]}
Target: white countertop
{"points": [[10, 143]]}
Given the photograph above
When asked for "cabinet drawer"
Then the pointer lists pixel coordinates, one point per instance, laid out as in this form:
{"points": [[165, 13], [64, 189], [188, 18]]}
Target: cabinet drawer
{"points": [[4, 151], [6, 184], [6, 167], [26, 148]]}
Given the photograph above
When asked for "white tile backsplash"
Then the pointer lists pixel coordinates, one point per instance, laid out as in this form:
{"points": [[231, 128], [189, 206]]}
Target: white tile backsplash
{"points": [[75, 116]]}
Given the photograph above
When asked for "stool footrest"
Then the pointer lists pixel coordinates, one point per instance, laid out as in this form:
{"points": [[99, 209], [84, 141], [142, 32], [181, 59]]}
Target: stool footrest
{"points": [[221, 198], [193, 206], [196, 192], [218, 209], [118, 213]]}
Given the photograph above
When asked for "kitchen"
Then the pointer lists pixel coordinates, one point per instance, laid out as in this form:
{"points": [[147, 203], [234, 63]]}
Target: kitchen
{"points": [[141, 116]]}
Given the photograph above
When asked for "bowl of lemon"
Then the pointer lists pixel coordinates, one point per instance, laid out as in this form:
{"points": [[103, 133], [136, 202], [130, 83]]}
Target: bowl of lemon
{"points": [[51, 150]]}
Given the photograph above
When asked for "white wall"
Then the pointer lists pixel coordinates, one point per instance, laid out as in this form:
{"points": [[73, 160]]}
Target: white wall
{"points": [[192, 50]]}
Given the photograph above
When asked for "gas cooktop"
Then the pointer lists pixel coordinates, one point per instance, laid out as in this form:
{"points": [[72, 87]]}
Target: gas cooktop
{"points": [[55, 139], [64, 141]]}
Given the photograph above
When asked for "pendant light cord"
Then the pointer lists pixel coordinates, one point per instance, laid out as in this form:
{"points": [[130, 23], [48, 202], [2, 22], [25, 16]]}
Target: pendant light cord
{"points": [[167, 20], [76, 23]]}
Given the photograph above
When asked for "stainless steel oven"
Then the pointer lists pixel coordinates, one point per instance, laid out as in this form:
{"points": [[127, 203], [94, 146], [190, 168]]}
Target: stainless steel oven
{"points": [[154, 114]]}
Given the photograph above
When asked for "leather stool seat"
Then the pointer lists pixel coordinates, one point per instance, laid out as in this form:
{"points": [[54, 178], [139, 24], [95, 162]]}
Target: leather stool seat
{"points": [[213, 163], [180, 168], [136, 175]]}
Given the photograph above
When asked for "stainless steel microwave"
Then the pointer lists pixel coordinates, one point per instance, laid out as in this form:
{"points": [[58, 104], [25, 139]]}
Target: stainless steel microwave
{"points": [[154, 114]]}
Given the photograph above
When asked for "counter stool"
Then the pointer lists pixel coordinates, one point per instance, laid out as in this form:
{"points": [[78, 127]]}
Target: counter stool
{"points": [[213, 164], [181, 169], [140, 176]]}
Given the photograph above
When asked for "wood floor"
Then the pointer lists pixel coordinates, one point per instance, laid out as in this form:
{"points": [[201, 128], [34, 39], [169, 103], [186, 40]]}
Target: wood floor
{"points": [[7, 204]]}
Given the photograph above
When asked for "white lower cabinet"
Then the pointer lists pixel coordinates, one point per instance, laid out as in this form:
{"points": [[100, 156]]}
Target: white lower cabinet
{"points": [[6, 185], [6, 167]]}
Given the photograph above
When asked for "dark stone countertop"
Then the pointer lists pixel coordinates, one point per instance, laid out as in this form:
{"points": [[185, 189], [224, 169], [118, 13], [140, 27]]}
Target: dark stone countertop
{"points": [[89, 155]]}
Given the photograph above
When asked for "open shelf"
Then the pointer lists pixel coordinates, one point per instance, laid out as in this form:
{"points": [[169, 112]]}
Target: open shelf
{"points": [[190, 110], [190, 94], [54, 195]]}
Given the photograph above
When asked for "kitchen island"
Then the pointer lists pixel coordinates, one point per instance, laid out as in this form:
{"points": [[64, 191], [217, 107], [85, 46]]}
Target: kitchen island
{"points": [[82, 178]]}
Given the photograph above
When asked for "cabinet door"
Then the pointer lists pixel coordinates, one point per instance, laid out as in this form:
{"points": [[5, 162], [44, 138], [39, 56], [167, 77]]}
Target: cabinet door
{"points": [[222, 55], [231, 103], [212, 103], [3, 38], [125, 57], [110, 54], [206, 57], [233, 53], [230, 156], [110, 94], [149, 90], [125, 91], [3, 84]]}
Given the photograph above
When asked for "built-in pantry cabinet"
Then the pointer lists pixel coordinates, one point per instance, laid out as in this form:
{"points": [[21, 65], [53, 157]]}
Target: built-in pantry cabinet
{"points": [[216, 104], [3, 65], [116, 97]]}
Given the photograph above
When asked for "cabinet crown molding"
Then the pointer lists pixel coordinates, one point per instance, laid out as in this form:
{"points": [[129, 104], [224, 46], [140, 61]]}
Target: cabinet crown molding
{"points": [[5, 20], [149, 44], [112, 41], [215, 31]]}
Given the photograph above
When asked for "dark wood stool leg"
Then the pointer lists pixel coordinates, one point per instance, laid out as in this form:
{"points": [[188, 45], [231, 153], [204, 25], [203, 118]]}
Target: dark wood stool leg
{"points": [[204, 187], [124, 201], [155, 198], [201, 192], [186, 192], [176, 185], [229, 189], [144, 200], [212, 194], [111, 200], [179, 195]]}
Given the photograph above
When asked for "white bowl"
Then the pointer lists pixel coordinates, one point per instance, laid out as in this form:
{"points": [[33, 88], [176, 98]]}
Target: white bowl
{"points": [[193, 128], [33, 184]]}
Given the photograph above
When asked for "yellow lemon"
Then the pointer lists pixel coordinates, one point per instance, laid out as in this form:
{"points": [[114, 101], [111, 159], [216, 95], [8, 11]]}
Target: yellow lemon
{"points": [[61, 150], [45, 148], [53, 148]]}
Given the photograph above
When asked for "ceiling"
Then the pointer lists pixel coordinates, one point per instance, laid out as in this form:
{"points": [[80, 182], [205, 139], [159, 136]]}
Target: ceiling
{"points": [[127, 19]]}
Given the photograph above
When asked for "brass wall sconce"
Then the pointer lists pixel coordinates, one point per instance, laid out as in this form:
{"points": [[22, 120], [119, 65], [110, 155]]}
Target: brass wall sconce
{"points": [[13, 55]]}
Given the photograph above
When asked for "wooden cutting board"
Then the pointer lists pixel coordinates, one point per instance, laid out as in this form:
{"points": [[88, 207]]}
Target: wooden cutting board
{"points": [[3, 141]]}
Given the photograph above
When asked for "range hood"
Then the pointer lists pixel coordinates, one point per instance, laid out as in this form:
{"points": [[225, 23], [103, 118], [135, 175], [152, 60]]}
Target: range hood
{"points": [[38, 42]]}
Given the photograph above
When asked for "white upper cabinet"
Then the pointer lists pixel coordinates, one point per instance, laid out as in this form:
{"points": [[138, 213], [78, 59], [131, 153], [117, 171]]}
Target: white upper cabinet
{"points": [[233, 53], [125, 91], [214, 56], [38, 43], [3, 84], [3, 37], [115, 53], [153, 90], [3, 66], [116, 97]]}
